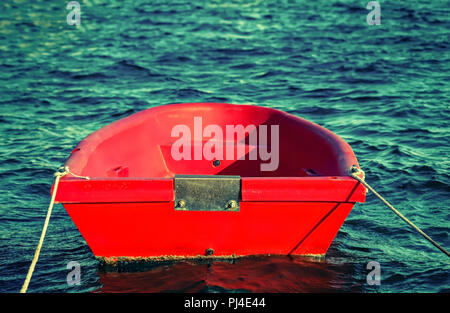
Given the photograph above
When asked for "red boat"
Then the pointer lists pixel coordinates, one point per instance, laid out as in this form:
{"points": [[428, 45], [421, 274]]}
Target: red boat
{"points": [[209, 179]]}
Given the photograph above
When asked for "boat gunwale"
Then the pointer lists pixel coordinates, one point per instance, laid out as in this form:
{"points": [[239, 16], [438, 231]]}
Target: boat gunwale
{"points": [[253, 189]]}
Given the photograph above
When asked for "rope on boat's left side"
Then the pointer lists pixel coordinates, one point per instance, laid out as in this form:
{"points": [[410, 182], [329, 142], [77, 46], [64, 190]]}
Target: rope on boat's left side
{"points": [[63, 171], [356, 173]]}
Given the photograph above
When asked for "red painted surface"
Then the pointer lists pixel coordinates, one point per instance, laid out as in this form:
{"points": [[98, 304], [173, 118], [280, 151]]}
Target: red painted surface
{"points": [[127, 207], [154, 229]]}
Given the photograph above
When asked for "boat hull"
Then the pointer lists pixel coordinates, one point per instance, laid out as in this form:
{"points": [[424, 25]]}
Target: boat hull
{"points": [[148, 198], [137, 218], [145, 230]]}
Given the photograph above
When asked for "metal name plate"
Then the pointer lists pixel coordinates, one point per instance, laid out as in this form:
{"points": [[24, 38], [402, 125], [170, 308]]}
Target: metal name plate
{"points": [[207, 193]]}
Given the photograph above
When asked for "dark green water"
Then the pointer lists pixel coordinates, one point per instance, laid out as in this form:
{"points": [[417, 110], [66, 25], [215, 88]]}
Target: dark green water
{"points": [[384, 89]]}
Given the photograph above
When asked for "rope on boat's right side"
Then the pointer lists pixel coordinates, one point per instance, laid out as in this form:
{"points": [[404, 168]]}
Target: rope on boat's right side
{"points": [[355, 172]]}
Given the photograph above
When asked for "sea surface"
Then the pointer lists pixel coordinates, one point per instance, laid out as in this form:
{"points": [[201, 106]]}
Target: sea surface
{"points": [[383, 88]]}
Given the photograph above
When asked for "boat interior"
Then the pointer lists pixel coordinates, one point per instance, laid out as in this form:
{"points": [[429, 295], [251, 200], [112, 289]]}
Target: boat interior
{"points": [[212, 139]]}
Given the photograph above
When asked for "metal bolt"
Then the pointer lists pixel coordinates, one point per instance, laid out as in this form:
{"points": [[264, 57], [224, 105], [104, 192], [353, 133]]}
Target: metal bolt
{"points": [[216, 163], [209, 251], [181, 203], [232, 204]]}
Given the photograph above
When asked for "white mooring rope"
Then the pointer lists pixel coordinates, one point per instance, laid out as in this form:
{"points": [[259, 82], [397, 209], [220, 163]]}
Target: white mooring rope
{"points": [[63, 171], [355, 172]]}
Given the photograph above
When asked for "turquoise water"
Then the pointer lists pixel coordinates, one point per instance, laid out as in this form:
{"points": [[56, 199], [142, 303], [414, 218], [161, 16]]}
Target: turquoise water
{"points": [[384, 89]]}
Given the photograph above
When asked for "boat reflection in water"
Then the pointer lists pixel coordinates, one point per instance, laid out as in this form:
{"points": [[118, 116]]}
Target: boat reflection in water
{"points": [[260, 274]]}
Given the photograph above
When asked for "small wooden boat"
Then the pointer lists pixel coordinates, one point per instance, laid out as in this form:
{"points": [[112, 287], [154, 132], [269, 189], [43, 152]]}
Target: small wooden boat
{"points": [[210, 179]]}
